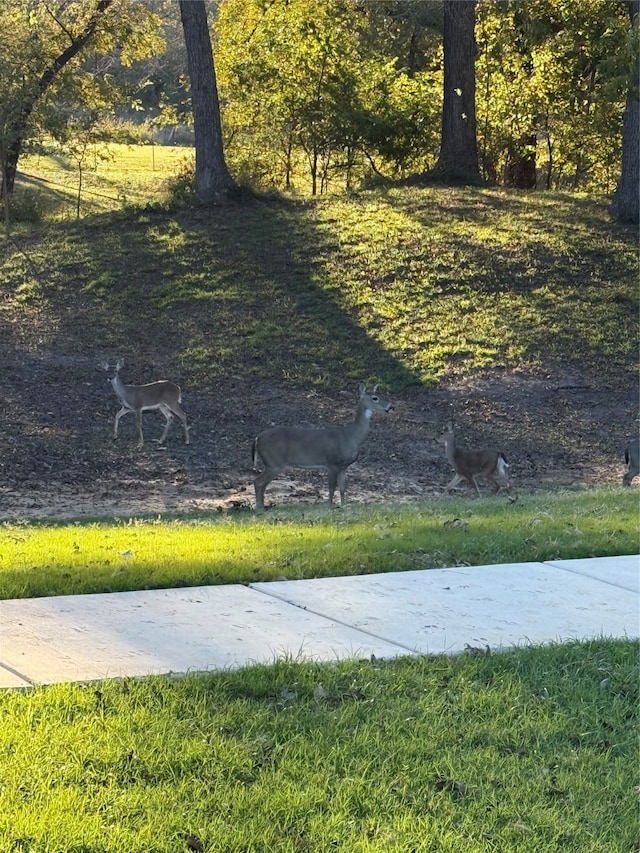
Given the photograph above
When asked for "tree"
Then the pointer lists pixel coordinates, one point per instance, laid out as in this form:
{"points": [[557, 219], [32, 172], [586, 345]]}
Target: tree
{"points": [[42, 47], [552, 78], [214, 184], [458, 159], [16, 125], [626, 200]]}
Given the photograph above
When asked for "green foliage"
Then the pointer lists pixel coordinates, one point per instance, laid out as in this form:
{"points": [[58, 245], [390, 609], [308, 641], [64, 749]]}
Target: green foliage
{"points": [[320, 86], [555, 73], [527, 750], [42, 94], [331, 92]]}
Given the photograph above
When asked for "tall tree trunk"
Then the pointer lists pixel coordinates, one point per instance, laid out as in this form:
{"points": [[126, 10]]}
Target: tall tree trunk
{"points": [[458, 160], [625, 206], [214, 184], [17, 129]]}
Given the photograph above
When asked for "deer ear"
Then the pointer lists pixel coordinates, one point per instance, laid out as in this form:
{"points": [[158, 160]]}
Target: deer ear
{"points": [[374, 389], [449, 426], [362, 387]]}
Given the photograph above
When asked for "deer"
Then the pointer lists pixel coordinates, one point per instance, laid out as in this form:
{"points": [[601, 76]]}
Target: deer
{"points": [[470, 464], [163, 395], [334, 448], [632, 458]]}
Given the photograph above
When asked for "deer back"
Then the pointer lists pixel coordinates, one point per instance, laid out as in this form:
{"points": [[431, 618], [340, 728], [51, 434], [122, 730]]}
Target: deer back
{"points": [[468, 463], [149, 396], [329, 447]]}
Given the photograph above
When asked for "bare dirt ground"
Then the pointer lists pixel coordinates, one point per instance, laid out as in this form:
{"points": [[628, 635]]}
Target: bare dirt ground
{"points": [[59, 460]]}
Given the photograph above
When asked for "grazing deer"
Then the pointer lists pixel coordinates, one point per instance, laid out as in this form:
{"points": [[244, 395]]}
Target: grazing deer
{"points": [[333, 448], [470, 464], [165, 396], [632, 458]]}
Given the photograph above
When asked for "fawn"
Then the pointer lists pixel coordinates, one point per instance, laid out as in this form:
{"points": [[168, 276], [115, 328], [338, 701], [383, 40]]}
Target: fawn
{"points": [[470, 464]]}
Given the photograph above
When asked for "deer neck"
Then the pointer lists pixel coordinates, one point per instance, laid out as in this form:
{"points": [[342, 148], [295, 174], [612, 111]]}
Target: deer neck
{"points": [[450, 447], [359, 429], [118, 385]]}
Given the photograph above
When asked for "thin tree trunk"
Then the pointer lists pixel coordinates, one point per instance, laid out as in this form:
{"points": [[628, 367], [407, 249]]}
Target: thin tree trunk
{"points": [[214, 184]]}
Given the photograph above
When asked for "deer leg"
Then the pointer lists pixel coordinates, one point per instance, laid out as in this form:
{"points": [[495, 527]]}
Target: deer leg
{"points": [[123, 411], [139, 423], [333, 480], [183, 420], [474, 483], [456, 480], [166, 411], [342, 479], [495, 486], [261, 482]]}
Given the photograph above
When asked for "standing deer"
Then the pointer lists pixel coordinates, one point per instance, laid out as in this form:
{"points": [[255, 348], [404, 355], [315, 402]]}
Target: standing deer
{"points": [[333, 448], [470, 464], [165, 396], [632, 458]]}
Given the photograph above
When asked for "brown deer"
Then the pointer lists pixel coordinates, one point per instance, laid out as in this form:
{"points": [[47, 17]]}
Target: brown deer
{"points": [[632, 458], [470, 464], [163, 395], [333, 448]]}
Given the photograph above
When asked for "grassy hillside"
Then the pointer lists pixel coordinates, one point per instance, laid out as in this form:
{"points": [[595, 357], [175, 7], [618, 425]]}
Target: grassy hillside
{"points": [[404, 285]]}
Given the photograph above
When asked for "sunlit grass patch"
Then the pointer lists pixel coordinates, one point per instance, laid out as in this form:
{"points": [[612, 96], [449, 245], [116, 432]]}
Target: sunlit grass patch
{"points": [[306, 542], [414, 284], [112, 176]]}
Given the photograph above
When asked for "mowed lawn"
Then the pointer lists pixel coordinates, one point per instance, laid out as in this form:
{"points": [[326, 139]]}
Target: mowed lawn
{"points": [[528, 750]]}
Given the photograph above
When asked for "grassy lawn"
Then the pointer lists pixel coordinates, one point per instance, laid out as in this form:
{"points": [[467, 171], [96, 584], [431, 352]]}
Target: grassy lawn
{"points": [[530, 750], [403, 286], [112, 175], [240, 547], [525, 751]]}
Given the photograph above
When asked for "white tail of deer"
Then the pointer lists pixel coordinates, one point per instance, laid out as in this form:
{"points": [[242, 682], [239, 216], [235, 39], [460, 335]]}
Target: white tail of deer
{"points": [[333, 448], [470, 464], [165, 396], [632, 458]]}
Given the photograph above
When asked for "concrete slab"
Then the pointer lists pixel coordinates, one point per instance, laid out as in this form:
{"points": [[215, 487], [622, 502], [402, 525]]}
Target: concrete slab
{"points": [[82, 638], [446, 610], [618, 571]]}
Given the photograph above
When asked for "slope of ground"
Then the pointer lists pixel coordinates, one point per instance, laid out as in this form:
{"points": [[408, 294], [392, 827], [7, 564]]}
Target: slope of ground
{"points": [[516, 316]]}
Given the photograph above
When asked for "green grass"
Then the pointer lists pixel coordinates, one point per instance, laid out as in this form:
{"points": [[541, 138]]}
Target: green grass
{"points": [[404, 285], [529, 750], [42, 559], [112, 176]]}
